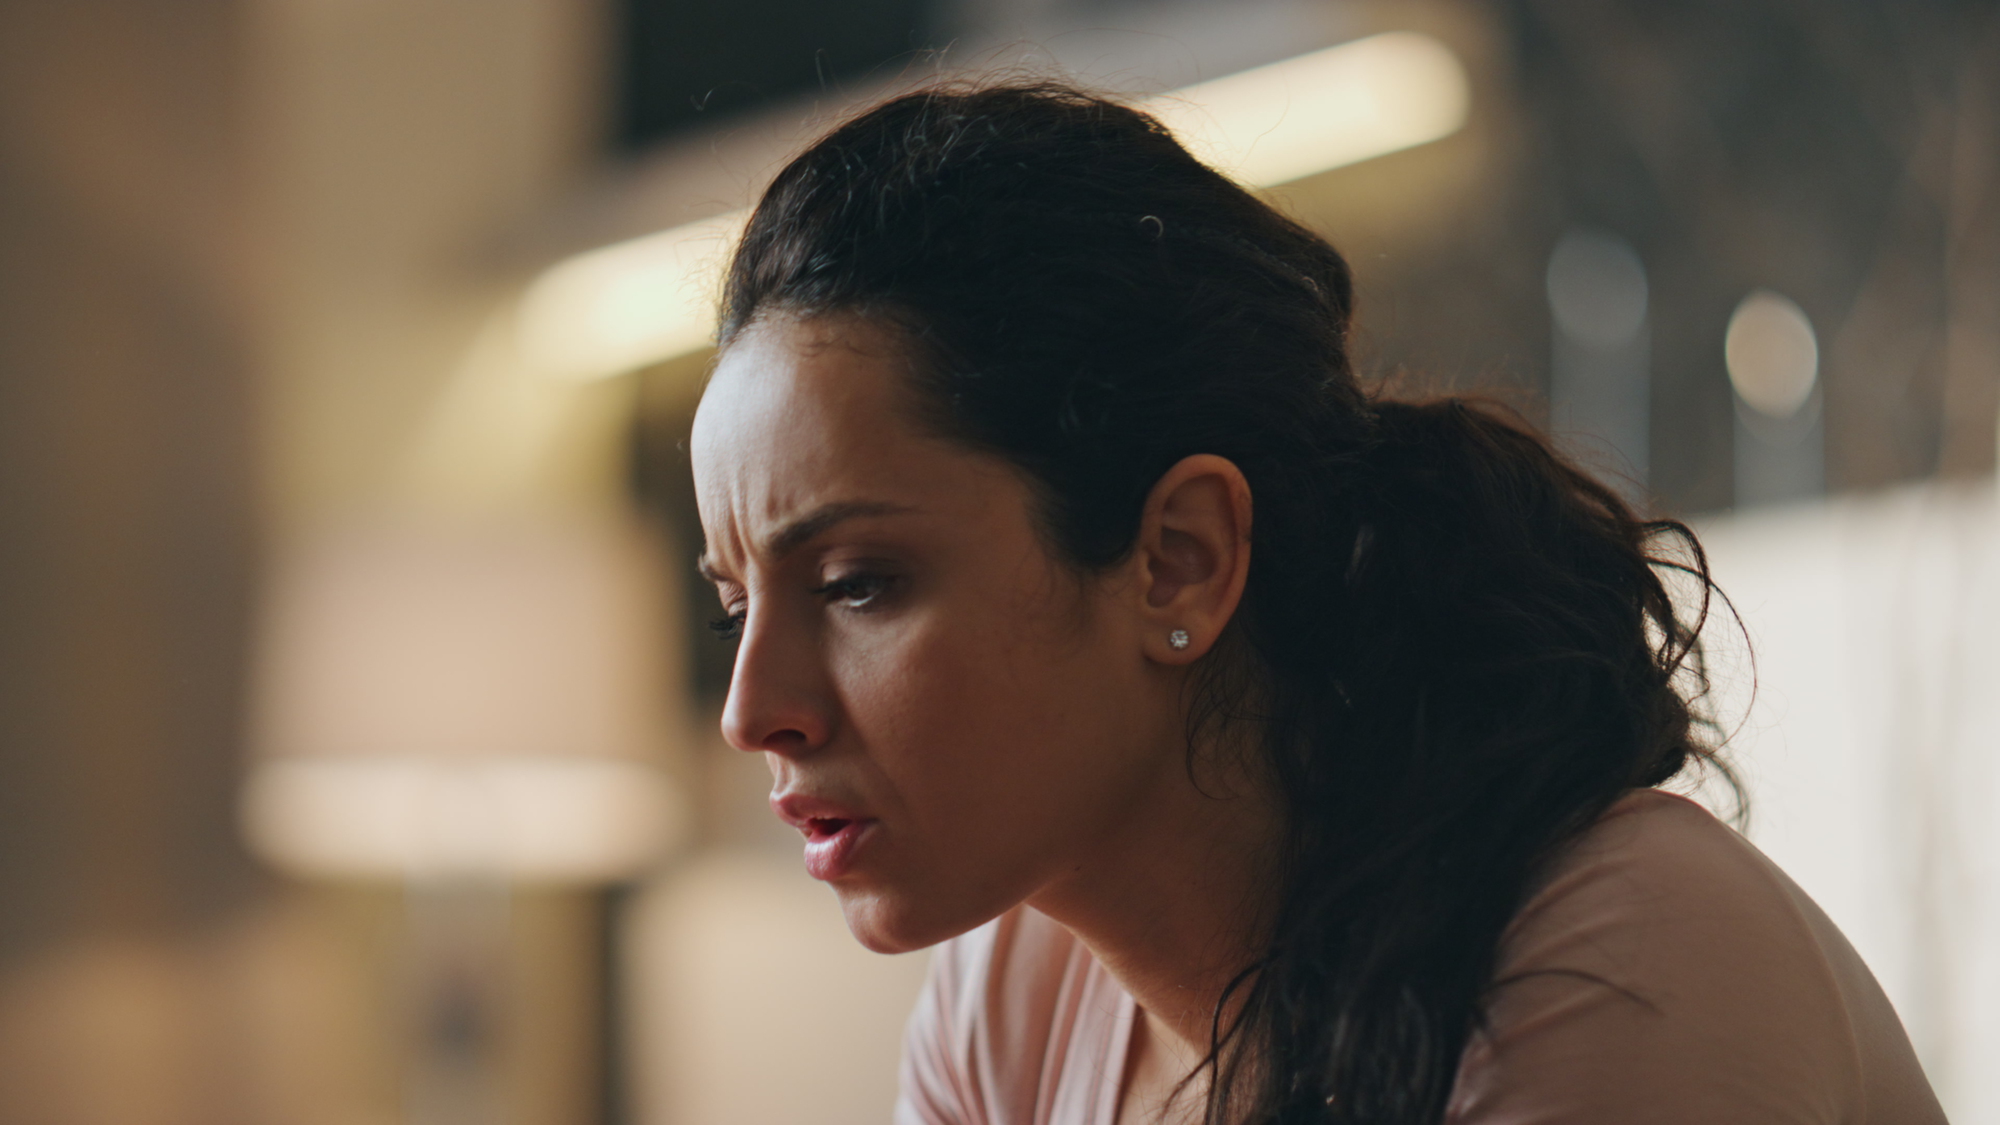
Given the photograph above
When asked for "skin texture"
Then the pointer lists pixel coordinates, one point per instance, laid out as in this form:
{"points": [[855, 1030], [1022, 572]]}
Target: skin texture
{"points": [[912, 652]]}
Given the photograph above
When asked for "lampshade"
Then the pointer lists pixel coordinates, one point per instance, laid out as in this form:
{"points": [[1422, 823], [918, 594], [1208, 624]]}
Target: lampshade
{"points": [[447, 699]]}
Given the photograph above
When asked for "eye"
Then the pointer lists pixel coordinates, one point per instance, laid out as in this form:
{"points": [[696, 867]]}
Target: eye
{"points": [[728, 627], [855, 591]]}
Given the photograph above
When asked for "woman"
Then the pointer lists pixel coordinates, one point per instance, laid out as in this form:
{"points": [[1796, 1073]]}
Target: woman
{"points": [[1261, 751]]}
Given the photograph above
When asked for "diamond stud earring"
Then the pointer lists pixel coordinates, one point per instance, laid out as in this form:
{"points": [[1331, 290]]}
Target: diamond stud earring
{"points": [[1178, 639]]}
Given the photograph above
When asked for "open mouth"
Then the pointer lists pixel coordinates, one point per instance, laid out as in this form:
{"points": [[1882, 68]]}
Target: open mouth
{"points": [[832, 843]]}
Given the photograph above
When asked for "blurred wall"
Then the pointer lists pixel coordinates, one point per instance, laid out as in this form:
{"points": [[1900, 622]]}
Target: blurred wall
{"points": [[125, 448], [246, 247], [1854, 671], [397, 148], [127, 543], [750, 1002]]}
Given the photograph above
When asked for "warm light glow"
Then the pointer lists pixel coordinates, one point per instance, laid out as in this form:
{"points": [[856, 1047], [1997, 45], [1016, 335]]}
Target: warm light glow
{"points": [[642, 302], [1772, 354], [1321, 111], [629, 305], [367, 817], [481, 699]]}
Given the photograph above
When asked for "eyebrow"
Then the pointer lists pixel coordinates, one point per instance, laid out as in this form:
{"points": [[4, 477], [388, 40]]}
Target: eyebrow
{"points": [[804, 529]]}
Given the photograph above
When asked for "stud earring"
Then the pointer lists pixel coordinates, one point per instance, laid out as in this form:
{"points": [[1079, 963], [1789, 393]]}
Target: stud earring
{"points": [[1177, 640]]}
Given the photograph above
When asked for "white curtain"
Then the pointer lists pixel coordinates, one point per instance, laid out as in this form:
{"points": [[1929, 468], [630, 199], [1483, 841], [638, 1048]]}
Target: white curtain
{"points": [[1867, 727]]}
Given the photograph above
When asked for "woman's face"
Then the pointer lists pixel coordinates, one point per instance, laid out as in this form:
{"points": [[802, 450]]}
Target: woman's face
{"points": [[954, 720]]}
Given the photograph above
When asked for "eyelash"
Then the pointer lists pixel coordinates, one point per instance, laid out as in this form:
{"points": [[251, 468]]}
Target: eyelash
{"points": [[860, 590], [849, 589]]}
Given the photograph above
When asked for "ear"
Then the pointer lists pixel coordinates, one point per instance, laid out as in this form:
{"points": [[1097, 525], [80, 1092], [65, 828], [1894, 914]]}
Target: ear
{"points": [[1193, 555]]}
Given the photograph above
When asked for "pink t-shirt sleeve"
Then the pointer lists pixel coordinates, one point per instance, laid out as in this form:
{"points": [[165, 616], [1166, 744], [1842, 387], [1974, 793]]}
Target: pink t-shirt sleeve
{"points": [[1669, 972]]}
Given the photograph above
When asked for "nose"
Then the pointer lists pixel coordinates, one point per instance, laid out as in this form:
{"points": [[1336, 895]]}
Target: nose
{"points": [[779, 698]]}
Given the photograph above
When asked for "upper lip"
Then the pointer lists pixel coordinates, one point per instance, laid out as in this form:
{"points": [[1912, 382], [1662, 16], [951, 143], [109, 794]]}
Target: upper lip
{"points": [[800, 810]]}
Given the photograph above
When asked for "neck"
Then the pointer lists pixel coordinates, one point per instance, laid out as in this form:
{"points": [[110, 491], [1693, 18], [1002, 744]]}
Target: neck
{"points": [[1178, 899]]}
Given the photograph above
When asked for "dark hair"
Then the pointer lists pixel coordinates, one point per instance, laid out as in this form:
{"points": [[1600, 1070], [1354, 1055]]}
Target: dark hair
{"points": [[1458, 646]]}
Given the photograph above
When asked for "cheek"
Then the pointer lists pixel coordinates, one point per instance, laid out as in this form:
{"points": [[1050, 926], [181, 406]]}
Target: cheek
{"points": [[1004, 748], [970, 715]]}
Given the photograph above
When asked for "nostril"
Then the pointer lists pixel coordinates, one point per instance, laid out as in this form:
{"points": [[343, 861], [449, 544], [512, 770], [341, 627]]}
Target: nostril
{"points": [[788, 741]]}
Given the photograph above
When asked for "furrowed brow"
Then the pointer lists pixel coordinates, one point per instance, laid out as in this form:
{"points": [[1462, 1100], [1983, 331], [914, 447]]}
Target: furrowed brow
{"points": [[805, 529], [820, 520]]}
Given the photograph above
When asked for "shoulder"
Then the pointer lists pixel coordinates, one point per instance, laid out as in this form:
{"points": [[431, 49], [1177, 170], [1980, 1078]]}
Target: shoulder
{"points": [[998, 1000], [1666, 970], [1661, 868]]}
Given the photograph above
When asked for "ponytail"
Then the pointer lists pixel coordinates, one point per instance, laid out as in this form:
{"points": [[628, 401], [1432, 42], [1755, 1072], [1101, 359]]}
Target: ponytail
{"points": [[1508, 668]]}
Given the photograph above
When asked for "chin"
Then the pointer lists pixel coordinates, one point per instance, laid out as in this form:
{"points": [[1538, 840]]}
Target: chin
{"points": [[888, 922]]}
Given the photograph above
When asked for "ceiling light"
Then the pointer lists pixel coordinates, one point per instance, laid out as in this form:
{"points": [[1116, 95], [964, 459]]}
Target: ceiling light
{"points": [[652, 299], [1321, 111], [1772, 354]]}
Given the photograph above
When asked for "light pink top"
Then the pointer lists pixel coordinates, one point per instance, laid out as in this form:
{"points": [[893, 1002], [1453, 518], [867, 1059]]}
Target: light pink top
{"points": [[1755, 1009]]}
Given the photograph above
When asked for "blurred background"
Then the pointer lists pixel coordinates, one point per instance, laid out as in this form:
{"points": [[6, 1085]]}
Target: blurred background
{"points": [[358, 760]]}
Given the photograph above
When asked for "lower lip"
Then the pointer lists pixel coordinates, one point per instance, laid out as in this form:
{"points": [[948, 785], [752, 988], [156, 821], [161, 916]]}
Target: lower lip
{"points": [[831, 855]]}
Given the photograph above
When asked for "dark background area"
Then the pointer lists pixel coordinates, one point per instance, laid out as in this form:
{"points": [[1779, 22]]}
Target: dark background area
{"points": [[1841, 153], [694, 64]]}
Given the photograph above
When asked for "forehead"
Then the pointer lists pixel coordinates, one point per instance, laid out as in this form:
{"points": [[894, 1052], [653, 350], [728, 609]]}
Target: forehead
{"points": [[802, 413], [793, 385]]}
